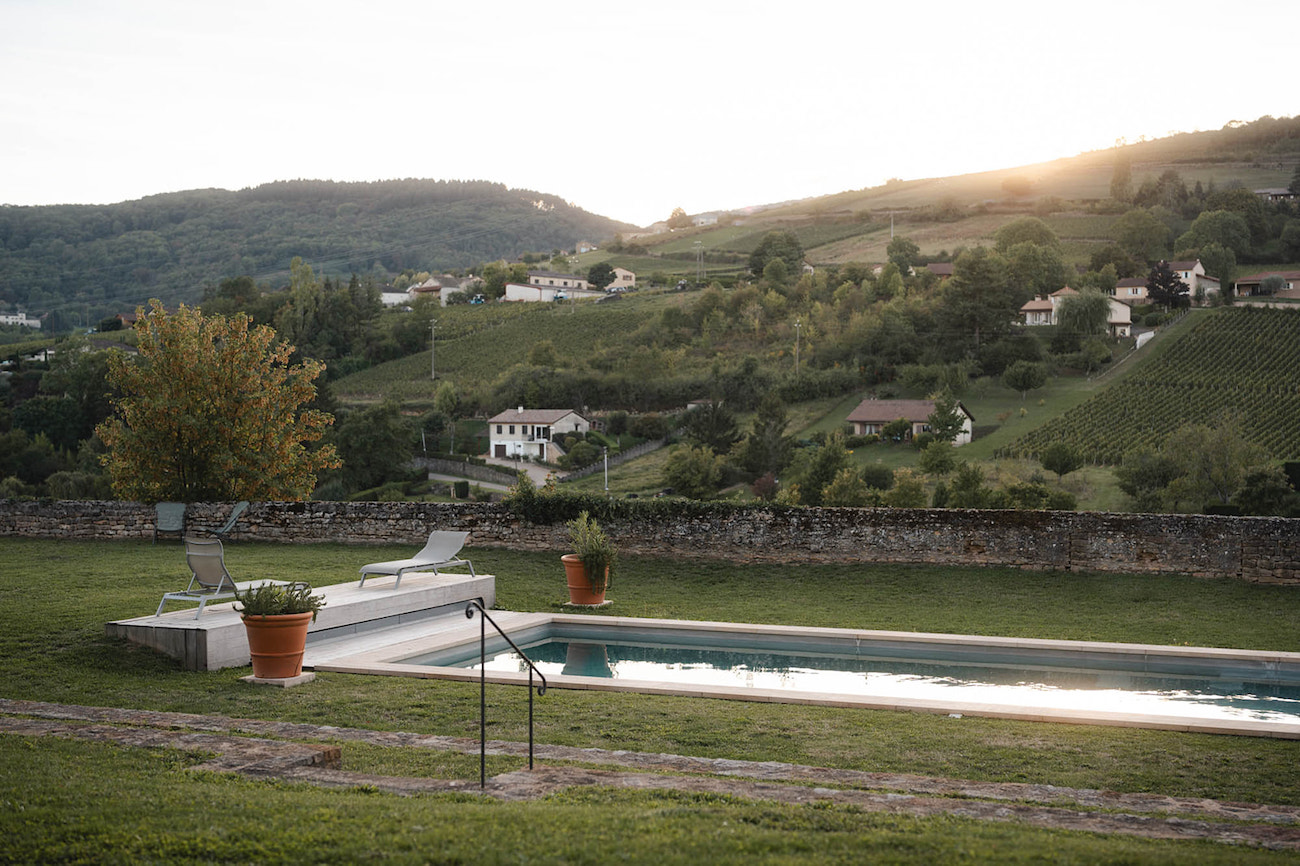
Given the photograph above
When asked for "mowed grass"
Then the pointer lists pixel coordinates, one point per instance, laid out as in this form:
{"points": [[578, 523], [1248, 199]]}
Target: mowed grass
{"points": [[134, 806], [77, 801]]}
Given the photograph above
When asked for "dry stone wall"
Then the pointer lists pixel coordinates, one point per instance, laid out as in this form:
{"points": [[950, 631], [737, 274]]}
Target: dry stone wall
{"points": [[1260, 549]]}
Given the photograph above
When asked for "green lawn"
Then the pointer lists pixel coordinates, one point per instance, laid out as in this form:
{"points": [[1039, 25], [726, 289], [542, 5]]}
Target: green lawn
{"points": [[55, 597]]}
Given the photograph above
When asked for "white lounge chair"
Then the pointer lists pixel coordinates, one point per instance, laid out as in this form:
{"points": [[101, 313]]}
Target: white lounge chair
{"points": [[209, 580], [440, 552]]}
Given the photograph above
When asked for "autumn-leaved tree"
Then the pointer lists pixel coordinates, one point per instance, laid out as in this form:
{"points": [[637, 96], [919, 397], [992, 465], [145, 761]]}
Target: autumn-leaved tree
{"points": [[212, 410]]}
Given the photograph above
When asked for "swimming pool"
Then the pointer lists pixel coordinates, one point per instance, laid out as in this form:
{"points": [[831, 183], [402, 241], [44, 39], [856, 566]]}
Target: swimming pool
{"points": [[1183, 688]]}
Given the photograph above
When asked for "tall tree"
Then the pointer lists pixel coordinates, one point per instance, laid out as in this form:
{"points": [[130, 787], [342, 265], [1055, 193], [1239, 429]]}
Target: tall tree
{"points": [[712, 426], [767, 447], [947, 420], [1213, 462], [1166, 288], [782, 245], [1025, 376], [374, 444], [979, 300], [1217, 226], [1035, 268], [1060, 458], [903, 252], [1024, 230], [1141, 234], [212, 411], [1084, 314], [600, 275]]}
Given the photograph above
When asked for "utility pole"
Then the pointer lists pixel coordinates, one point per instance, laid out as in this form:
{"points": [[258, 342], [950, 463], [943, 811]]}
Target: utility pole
{"points": [[606, 450], [796, 348], [433, 358], [699, 262]]}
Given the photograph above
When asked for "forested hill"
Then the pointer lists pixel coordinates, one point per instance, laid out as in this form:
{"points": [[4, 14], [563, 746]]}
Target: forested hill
{"points": [[98, 259]]}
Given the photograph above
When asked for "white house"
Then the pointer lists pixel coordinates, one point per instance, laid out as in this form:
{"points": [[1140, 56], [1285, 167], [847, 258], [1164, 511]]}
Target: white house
{"points": [[19, 319], [530, 432], [1133, 290], [553, 280], [1193, 274], [1042, 311], [529, 292], [871, 416]]}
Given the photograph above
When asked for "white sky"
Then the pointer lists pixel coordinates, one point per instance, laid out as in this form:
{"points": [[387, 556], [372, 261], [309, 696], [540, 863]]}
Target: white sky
{"points": [[627, 110]]}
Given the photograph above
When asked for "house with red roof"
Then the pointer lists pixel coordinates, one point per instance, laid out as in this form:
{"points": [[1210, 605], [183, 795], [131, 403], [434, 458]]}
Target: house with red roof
{"points": [[871, 416]]}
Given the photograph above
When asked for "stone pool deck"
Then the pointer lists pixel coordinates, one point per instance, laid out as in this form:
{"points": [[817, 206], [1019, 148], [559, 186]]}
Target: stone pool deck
{"points": [[355, 616]]}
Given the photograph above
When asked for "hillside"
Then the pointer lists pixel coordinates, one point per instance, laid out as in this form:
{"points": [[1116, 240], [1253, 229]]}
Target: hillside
{"points": [[1243, 364], [90, 261], [945, 213]]}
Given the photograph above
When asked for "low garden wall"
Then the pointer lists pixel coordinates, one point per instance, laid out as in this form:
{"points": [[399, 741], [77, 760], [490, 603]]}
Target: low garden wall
{"points": [[1262, 549]]}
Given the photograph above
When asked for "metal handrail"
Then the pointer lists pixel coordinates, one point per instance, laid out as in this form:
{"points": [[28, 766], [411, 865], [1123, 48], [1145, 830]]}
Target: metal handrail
{"points": [[482, 687]]}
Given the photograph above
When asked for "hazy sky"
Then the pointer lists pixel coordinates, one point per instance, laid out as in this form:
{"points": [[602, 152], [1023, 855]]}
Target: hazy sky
{"points": [[627, 110]]}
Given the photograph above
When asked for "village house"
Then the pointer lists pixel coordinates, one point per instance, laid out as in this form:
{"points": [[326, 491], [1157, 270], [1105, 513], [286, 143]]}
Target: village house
{"points": [[942, 270], [553, 286], [553, 280], [1042, 311], [1249, 285], [1275, 193], [440, 288], [1193, 274], [1131, 290], [19, 319], [531, 432], [530, 292], [624, 281], [871, 416]]}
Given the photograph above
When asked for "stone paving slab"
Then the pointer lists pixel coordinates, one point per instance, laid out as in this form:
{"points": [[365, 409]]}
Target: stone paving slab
{"points": [[1047, 806]]}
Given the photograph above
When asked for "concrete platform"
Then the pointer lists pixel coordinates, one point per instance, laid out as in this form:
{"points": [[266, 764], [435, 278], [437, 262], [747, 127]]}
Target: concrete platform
{"points": [[216, 639]]}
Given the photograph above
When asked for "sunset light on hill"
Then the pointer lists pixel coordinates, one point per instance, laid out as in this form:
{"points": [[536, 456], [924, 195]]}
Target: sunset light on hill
{"points": [[627, 111]]}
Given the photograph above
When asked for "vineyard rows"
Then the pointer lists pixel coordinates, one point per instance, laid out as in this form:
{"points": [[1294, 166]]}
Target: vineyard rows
{"points": [[1242, 362]]}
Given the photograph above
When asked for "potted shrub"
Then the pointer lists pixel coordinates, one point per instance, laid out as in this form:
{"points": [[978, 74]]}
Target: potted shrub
{"points": [[276, 617], [591, 564]]}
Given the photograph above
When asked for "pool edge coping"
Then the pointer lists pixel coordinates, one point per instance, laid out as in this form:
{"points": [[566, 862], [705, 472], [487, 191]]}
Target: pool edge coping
{"points": [[382, 662]]}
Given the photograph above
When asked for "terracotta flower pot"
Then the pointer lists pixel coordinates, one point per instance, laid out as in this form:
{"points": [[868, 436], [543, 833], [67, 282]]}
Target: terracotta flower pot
{"points": [[579, 585], [276, 643]]}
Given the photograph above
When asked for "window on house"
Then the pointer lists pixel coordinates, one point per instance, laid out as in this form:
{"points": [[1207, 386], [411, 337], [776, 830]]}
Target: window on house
{"points": [[512, 429], [498, 429]]}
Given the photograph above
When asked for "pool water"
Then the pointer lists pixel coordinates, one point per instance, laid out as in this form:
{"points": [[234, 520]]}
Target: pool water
{"points": [[894, 670]]}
